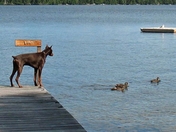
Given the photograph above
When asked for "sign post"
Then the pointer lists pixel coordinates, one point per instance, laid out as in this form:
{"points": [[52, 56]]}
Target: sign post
{"points": [[29, 43]]}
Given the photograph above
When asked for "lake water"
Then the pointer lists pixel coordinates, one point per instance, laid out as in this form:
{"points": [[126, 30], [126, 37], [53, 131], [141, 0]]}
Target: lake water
{"points": [[94, 48]]}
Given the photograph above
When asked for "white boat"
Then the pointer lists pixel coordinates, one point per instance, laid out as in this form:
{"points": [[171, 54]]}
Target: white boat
{"points": [[160, 29]]}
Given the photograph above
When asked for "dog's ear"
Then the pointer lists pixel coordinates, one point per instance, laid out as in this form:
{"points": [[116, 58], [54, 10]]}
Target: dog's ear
{"points": [[46, 47], [51, 46]]}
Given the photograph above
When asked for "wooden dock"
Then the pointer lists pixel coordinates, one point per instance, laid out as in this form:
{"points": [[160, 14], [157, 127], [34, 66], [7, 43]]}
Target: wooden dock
{"points": [[34, 109]]}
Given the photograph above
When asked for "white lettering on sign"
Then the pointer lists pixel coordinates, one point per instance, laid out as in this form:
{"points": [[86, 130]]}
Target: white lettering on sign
{"points": [[27, 42]]}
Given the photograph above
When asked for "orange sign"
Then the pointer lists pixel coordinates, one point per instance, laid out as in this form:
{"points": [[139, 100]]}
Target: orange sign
{"points": [[20, 42]]}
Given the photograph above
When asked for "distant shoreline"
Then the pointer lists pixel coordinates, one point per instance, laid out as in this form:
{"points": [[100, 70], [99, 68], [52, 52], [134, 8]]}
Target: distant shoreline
{"points": [[84, 2], [81, 4]]}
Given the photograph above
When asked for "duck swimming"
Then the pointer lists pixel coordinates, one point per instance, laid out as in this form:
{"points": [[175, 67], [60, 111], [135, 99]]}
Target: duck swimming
{"points": [[125, 85], [157, 80], [120, 87]]}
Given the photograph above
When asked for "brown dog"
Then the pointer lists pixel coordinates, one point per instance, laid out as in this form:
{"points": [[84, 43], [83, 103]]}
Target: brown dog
{"points": [[35, 60]]}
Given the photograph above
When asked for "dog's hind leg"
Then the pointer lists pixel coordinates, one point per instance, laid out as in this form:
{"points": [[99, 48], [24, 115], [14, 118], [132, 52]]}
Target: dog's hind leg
{"points": [[18, 75], [11, 77], [13, 72], [35, 76]]}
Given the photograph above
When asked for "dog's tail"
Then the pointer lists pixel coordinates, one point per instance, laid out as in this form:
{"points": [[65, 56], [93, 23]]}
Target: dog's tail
{"points": [[14, 57]]}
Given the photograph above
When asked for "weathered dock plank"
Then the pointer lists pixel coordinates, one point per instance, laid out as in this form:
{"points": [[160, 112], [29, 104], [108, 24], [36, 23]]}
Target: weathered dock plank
{"points": [[34, 109]]}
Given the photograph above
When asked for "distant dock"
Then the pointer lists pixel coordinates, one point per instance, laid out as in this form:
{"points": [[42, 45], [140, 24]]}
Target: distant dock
{"points": [[34, 109], [161, 29]]}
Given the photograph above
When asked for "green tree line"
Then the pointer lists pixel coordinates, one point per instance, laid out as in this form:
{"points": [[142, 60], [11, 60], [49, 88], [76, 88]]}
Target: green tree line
{"points": [[84, 2]]}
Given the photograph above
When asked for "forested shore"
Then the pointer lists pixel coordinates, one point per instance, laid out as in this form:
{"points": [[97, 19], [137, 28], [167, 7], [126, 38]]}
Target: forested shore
{"points": [[87, 2]]}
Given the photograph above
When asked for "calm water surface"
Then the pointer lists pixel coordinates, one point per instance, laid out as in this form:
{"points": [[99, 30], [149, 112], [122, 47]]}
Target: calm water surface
{"points": [[96, 47]]}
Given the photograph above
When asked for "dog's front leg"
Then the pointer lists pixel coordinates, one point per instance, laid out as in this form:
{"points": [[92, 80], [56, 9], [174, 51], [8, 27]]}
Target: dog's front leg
{"points": [[39, 77], [35, 76]]}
